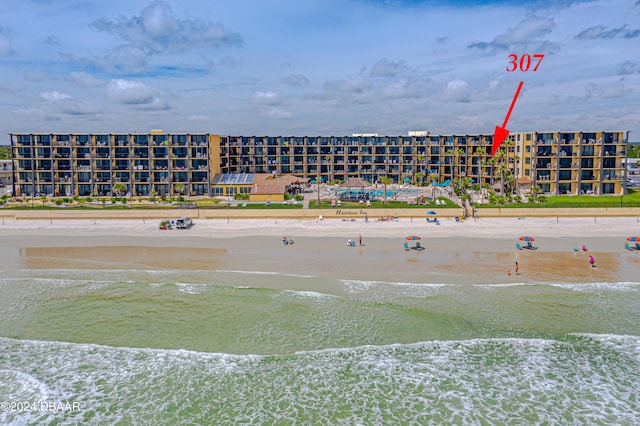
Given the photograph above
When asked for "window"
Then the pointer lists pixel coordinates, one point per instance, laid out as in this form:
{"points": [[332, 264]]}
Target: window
{"points": [[526, 172], [527, 160], [218, 191], [528, 148]]}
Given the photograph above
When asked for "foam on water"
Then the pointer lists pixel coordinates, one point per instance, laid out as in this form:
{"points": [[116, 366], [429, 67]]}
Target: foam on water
{"points": [[584, 379]]}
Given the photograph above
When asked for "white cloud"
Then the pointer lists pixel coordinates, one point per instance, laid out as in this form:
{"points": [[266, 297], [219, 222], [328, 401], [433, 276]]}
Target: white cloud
{"points": [[296, 80], [197, 118], [157, 30], [279, 113], [266, 98], [84, 79], [54, 96], [525, 33], [385, 68], [614, 89], [457, 90], [137, 94]]}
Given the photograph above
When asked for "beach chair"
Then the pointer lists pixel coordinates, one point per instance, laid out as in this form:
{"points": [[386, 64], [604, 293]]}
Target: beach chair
{"points": [[406, 246], [519, 247], [628, 247]]}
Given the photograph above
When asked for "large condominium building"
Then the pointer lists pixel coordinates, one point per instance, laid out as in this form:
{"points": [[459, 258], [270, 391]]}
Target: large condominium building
{"points": [[96, 164]]}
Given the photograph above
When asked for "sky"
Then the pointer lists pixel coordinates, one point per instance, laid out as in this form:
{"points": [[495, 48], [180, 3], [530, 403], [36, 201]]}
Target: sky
{"points": [[317, 67]]}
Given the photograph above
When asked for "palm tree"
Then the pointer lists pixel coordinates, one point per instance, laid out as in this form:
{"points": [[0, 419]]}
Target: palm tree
{"points": [[385, 180], [420, 159], [318, 179], [480, 152], [502, 169], [433, 177], [419, 177], [492, 163], [535, 189], [327, 159], [179, 188], [119, 188], [457, 153], [450, 154]]}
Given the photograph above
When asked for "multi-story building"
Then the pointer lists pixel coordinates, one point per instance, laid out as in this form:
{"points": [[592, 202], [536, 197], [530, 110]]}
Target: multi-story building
{"points": [[159, 163], [6, 173]]}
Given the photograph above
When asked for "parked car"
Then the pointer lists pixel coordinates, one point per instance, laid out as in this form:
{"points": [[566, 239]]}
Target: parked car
{"points": [[184, 223], [631, 182]]}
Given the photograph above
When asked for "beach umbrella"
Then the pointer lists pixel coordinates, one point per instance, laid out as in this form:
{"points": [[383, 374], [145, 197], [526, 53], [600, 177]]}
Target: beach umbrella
{"points": [[431, 212], [634, 239], [526, 238], [413, 238]]}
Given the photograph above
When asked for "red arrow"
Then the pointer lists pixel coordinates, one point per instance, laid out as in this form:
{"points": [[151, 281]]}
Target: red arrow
{"points": [[501, 132]]}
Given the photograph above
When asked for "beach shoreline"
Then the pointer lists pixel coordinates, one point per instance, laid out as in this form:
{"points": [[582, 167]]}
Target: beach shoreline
{"points": [[470, 252]]}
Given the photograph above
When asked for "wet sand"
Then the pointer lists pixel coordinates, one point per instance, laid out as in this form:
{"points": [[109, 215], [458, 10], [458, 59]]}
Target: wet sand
{"points": [[458, 260]]}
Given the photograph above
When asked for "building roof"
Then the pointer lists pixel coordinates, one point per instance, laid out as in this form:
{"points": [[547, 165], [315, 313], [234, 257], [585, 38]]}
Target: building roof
{"points": [[233, 178], [261, 183], [524, 181], [355, 183], [275, 184]]}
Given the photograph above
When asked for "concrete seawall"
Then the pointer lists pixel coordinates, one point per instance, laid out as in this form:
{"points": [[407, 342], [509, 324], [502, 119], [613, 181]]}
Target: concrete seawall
{"points": [[343, 213]]}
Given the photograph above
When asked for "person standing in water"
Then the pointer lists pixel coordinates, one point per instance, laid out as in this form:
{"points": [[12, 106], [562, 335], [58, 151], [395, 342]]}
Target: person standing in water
{"points": [[592, 261]]}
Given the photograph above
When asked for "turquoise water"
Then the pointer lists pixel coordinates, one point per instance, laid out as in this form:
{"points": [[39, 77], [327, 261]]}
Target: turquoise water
{"points": [[379, 192], [217, 347]]}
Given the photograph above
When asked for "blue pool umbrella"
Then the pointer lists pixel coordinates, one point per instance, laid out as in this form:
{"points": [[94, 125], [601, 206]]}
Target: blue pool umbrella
{"points": [[431, 212]]}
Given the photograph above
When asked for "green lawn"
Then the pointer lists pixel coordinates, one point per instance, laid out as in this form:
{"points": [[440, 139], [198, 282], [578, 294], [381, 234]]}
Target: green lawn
{"points": [[568, 201]]}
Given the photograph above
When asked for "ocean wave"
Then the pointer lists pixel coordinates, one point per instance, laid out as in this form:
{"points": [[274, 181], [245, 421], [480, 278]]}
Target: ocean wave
{"points": [[477, 381]]}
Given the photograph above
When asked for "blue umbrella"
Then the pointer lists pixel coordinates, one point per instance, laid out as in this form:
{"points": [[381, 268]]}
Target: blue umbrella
{"points": [[431, 212], [634, 239], [413, 238], [526, 239]]}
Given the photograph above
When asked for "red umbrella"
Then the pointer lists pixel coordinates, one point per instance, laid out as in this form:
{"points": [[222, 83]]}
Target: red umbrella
{"points": [[634, 239], [413, 238], [526, 238]]}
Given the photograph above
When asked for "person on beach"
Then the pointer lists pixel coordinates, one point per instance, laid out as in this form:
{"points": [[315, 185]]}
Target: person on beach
{"points": [[592, 261], [517, 273], [360, 238]]}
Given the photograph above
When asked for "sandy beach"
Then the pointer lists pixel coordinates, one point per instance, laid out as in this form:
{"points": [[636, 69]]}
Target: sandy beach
{"points": [[473, 251]]}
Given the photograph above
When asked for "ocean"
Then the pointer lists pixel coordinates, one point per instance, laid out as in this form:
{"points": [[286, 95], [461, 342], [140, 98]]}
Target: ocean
{"points": [[220, 347]]}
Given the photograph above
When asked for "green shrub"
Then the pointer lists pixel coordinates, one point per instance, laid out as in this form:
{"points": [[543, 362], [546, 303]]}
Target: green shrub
{"points": [[59, 202], [298, 197], [287, 196]]}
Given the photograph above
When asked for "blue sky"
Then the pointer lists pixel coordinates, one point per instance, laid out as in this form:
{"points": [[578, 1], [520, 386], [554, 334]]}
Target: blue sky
{"points": [[325, 67]]}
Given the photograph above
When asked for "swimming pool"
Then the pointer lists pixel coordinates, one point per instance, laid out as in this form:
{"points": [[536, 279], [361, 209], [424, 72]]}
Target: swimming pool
{"points": [[375, 192]]}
